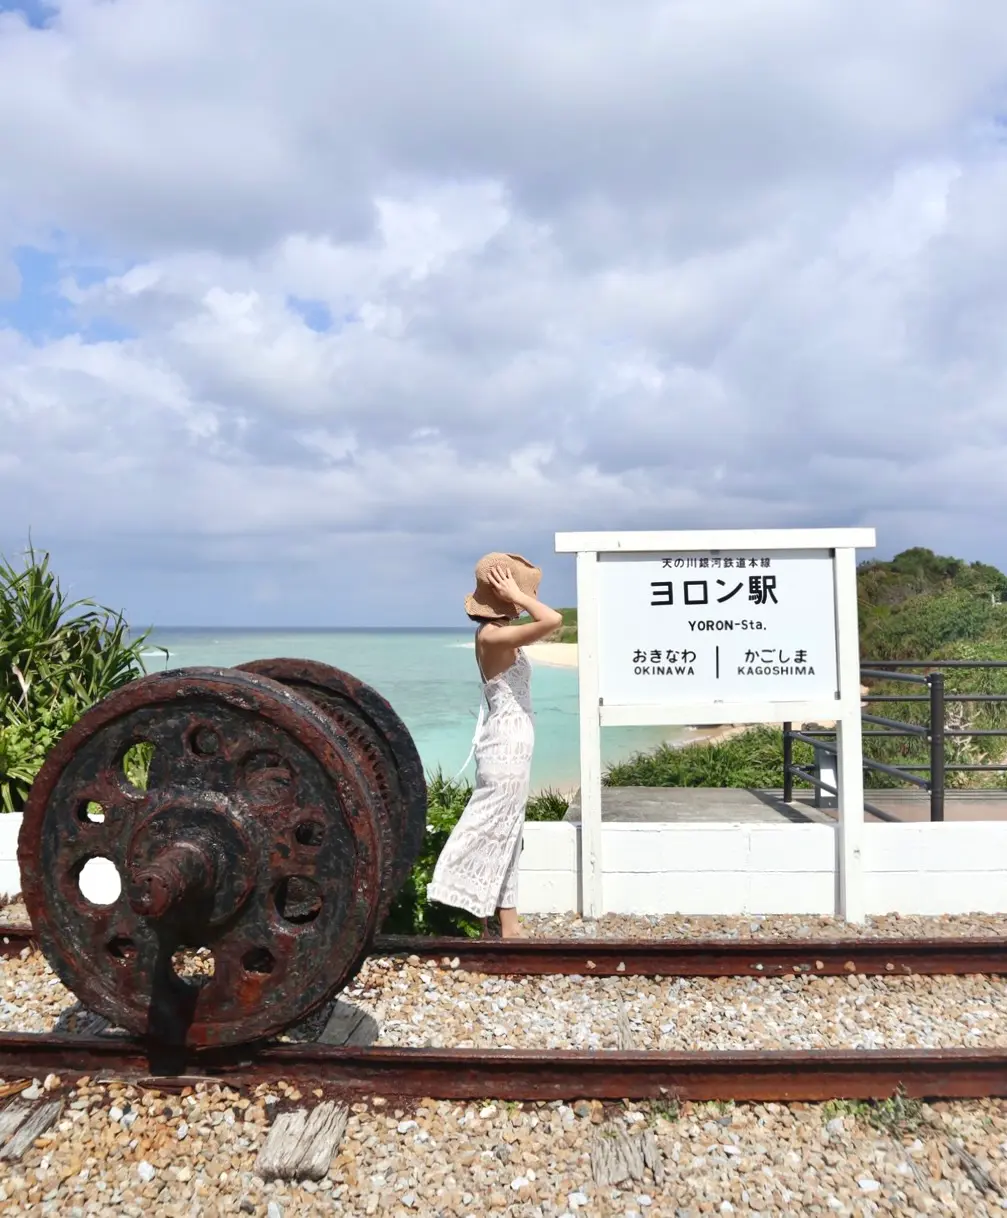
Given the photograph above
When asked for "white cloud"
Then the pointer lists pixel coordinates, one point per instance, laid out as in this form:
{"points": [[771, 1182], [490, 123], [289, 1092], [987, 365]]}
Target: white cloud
{"points": [[394, 279]]}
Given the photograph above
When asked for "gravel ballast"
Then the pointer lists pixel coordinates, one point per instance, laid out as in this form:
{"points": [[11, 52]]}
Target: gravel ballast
{"points": [[415, 1004], [124, 1150]]}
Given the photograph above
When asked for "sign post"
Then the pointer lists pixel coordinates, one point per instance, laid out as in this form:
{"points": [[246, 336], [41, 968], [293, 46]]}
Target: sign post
{"points": [[725, 626]]}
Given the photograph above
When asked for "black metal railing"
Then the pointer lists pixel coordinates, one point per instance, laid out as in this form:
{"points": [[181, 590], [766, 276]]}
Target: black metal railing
{"points": [[930, 776]]}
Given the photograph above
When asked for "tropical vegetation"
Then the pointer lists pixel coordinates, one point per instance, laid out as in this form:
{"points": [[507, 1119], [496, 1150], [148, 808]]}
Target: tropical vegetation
{"points": [[57, 658], [922, 606], [751, 759]]}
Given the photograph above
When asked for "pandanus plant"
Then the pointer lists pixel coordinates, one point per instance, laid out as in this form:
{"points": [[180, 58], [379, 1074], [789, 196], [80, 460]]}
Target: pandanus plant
{"points": [[57, 658]]}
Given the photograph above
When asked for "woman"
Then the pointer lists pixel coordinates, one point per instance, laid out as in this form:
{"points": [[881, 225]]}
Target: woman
{"points": [[477, 869]]}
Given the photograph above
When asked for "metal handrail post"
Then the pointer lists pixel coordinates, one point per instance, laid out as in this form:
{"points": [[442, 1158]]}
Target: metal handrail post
{"points": [[788, 762], [936, 682]]}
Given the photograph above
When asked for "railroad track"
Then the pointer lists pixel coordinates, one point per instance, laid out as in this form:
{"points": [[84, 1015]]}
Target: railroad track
{"points": [[281, 808], [510, 1074], [466, 1074], [943, 957]]}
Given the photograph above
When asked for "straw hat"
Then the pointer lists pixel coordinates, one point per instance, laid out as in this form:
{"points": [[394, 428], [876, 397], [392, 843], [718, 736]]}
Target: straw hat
{"points": [[484, 602]]}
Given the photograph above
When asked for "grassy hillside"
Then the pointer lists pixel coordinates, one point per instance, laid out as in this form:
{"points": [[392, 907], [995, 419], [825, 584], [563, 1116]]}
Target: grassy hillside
{"points": [[921, 604], [567, 633]]}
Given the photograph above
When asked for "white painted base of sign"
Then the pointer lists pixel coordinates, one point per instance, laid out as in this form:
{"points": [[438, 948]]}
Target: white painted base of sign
{"points": [[923, 869]]}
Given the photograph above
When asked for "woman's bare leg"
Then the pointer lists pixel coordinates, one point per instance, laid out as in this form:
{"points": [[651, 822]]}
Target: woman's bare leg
{"points": [[510, 927]]}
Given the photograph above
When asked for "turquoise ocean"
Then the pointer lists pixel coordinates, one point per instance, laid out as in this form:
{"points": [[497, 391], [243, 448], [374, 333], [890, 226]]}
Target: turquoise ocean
{"points": [[430, 678]]}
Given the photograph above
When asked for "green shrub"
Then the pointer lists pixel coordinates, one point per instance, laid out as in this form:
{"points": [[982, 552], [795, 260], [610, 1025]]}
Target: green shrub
{"points": [[412, 913], [752, 760], [921, 601], [960, 716], [57, 658]]}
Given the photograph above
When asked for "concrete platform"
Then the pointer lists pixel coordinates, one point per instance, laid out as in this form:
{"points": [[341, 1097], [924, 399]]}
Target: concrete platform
{"points": [[697, 805], [720, 805]]}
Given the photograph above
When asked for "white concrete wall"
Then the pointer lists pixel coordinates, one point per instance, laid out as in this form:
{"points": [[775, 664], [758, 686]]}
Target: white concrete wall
{"points": [[955, 867], [947, 868], [10, 875], [550, 868], [691, 869]]}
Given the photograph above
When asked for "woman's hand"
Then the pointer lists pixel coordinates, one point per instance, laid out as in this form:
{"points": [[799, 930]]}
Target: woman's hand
{"points": [[504, 585]]}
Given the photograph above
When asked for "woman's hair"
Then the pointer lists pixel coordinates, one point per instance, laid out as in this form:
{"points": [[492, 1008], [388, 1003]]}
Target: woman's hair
{"points": [[483, 621]]}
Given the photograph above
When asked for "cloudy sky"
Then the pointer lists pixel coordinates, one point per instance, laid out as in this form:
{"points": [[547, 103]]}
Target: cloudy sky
{"points": [[303, 306]]}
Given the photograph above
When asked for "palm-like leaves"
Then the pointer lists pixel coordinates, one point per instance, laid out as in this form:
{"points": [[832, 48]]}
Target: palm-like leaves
{"points": [[57, 658]]}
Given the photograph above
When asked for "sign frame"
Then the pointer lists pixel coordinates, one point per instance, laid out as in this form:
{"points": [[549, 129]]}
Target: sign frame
{"points": [[844, 709]]}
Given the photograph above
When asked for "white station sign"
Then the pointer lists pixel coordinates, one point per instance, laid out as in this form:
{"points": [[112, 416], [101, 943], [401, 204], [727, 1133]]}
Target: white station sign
{"points": [[717, 627]]}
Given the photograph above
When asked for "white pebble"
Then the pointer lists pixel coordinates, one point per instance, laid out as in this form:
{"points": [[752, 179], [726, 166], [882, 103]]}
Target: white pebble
{"points": [[487, 1112], [273, 1210], [576, 1200], [182, 1132], [518, 1183], [868, 1185], [115, 1115], [407, 1126], [146, 1171]]}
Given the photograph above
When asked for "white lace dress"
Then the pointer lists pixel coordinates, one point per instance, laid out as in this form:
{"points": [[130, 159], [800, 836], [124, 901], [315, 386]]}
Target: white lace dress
{"points": [[477, 869]]}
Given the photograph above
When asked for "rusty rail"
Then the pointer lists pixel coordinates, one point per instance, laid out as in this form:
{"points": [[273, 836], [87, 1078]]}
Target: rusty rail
{"points": [[708, 957], [468, 1074], [681, 957], [505, 1074]]}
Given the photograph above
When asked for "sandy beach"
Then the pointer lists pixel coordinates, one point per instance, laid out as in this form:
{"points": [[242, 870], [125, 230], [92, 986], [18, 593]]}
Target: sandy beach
{"points": [[553, 655]]}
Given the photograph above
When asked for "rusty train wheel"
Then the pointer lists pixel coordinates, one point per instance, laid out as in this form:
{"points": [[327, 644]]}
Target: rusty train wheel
{"points": [[255, 838], [383, 746]]}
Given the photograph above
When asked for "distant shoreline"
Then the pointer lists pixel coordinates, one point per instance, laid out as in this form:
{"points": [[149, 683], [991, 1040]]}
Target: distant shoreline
{"points": [[564, 655], [553, 655]]}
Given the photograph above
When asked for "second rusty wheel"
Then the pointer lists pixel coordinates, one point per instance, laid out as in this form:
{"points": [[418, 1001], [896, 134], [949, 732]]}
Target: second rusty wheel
{"points": [[383, 745], [252, 839]]}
